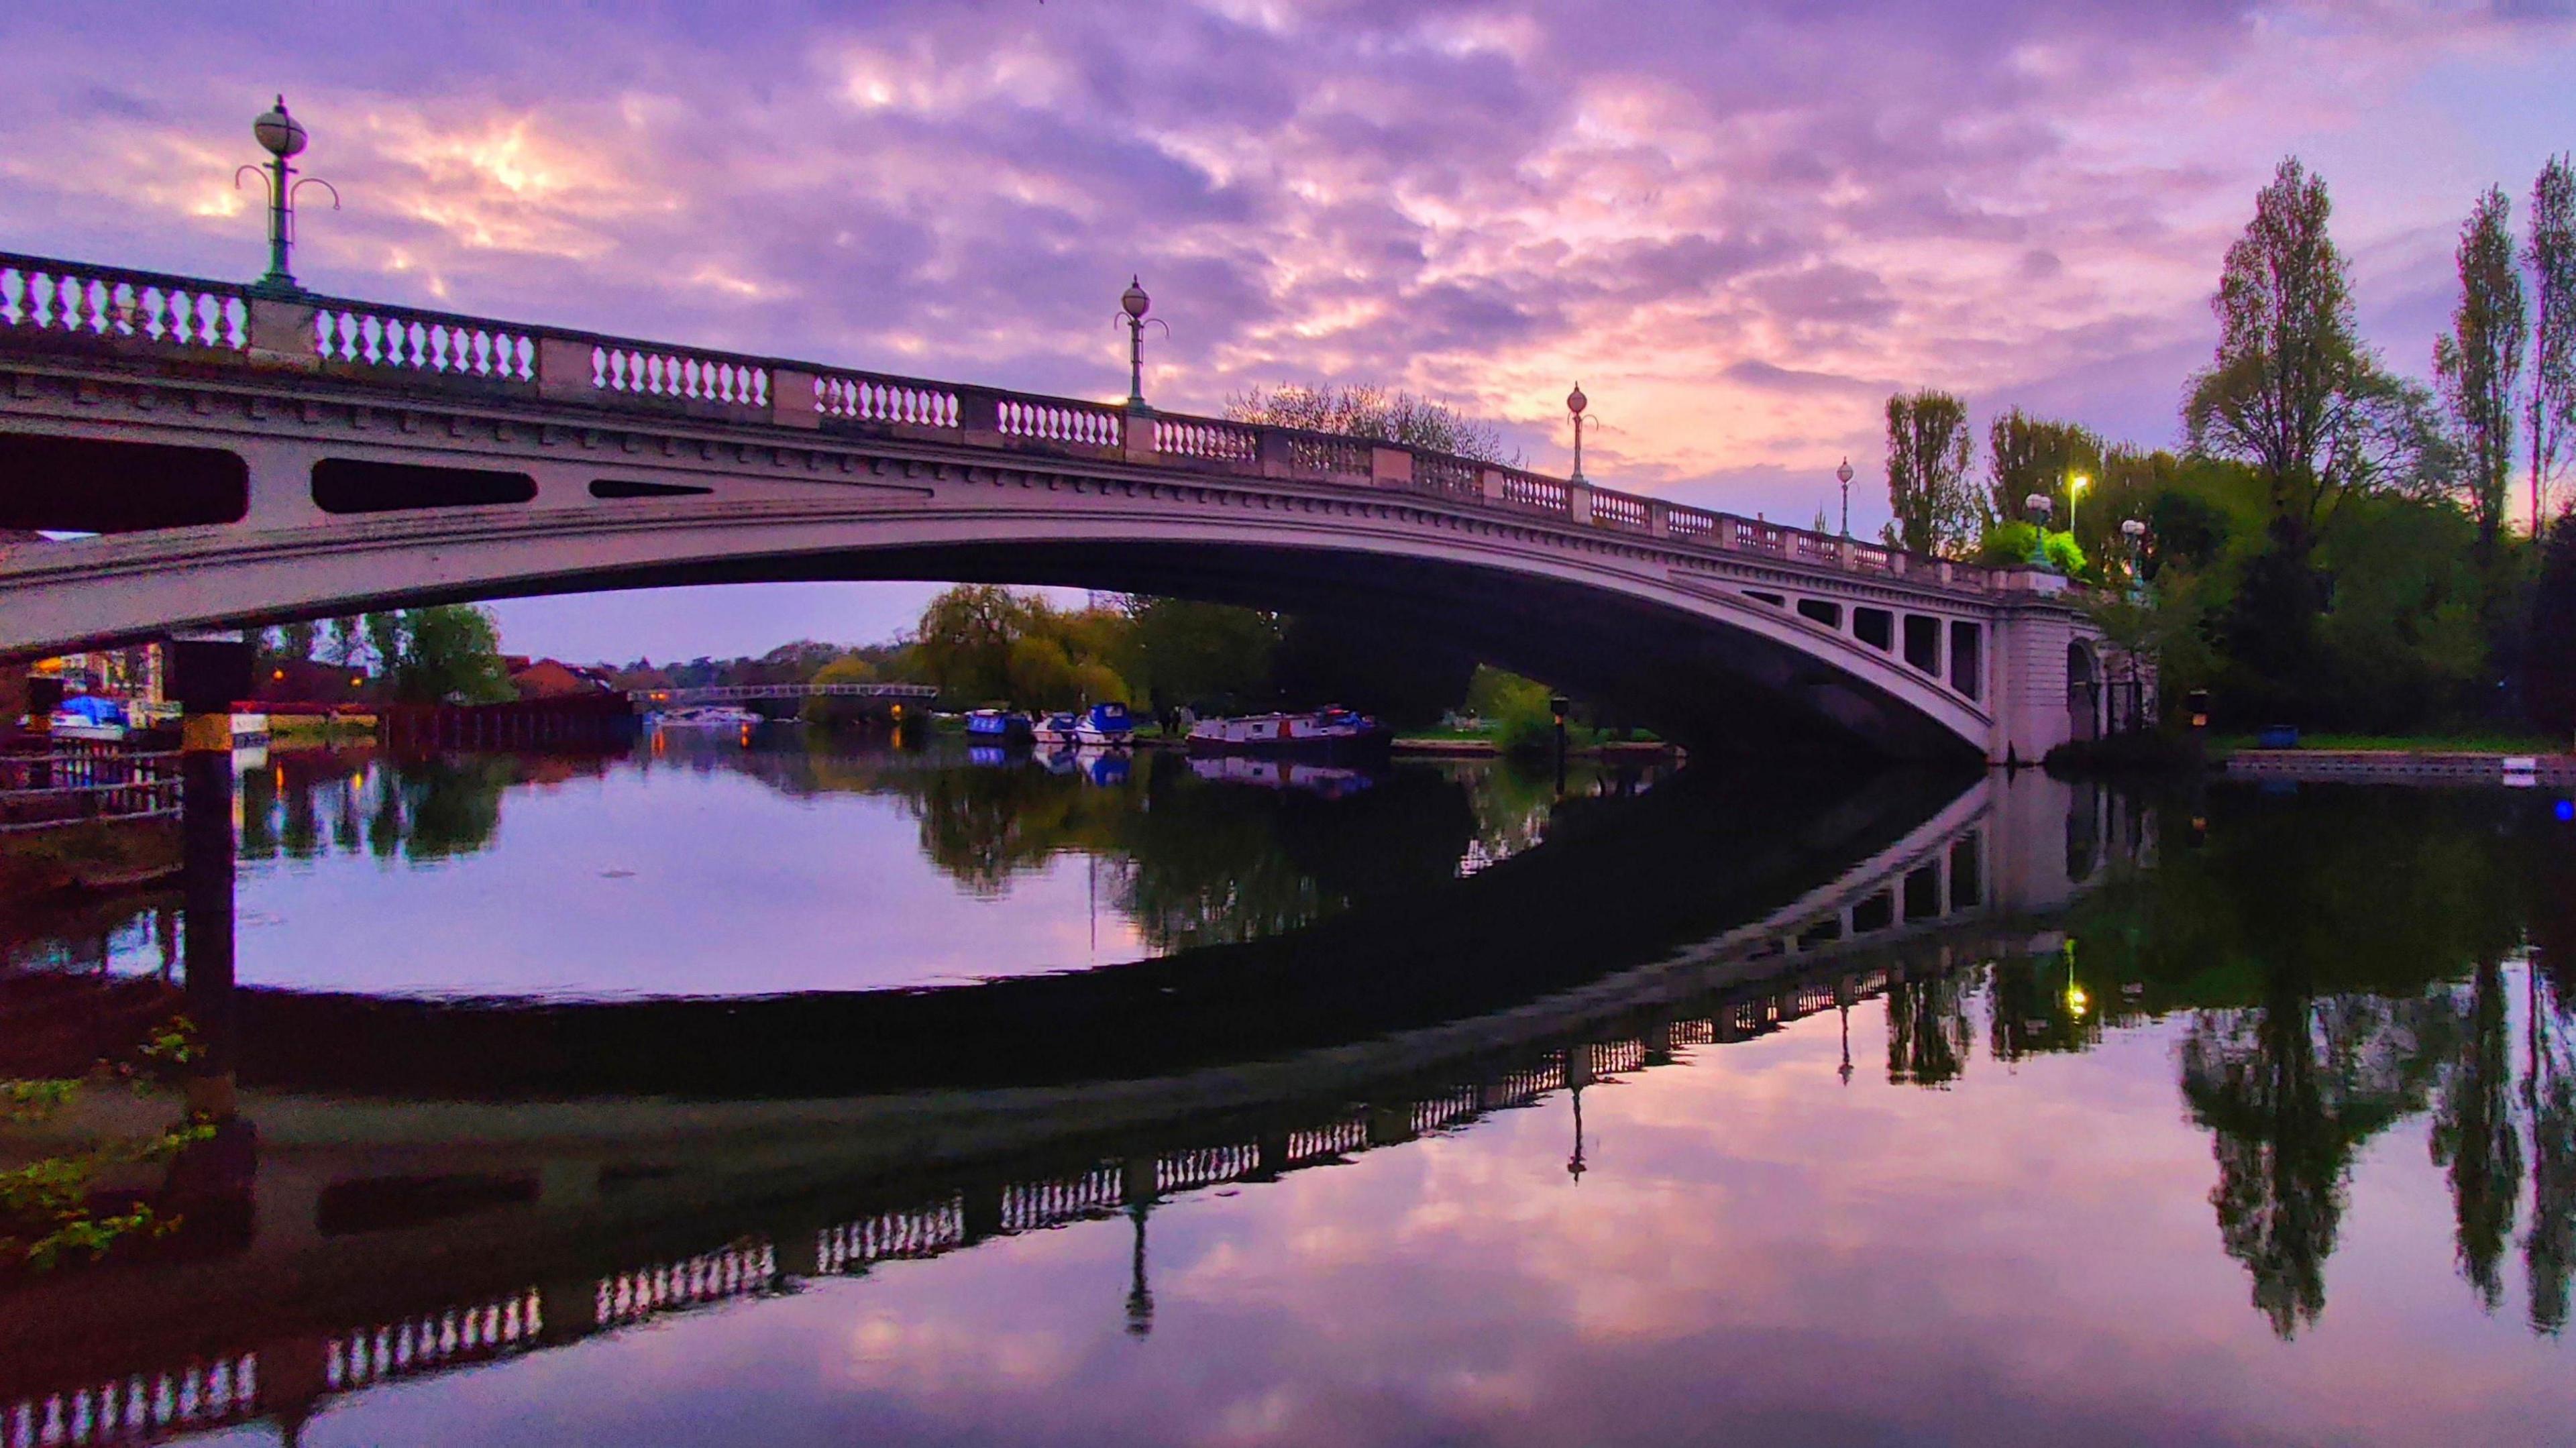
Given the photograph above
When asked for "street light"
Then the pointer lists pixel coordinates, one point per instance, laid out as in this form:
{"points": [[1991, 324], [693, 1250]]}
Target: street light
{"points": [[2075, 483], [2040, 507], [1575, 402], [1843, 475], [1135, 304], [282, 136]]}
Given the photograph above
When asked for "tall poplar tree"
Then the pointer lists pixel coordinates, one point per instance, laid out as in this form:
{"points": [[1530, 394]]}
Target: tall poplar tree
{"points": [[1928, 450], [2479, 362], [2291, 391], [2550, 253]]}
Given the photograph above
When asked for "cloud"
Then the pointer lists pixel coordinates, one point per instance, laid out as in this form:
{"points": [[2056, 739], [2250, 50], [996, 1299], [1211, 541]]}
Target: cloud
{"points": [[1707, 214]]}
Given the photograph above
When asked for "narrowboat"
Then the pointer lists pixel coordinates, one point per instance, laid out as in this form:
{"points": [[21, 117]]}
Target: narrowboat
{"points": [[997, 726], [1331, 734]]}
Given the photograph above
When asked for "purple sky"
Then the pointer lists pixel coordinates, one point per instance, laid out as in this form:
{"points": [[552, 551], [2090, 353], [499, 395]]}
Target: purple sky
{"points": [[1739, 226]]}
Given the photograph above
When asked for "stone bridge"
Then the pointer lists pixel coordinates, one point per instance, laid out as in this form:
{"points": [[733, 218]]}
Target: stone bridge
{"points": [[249, 459]]}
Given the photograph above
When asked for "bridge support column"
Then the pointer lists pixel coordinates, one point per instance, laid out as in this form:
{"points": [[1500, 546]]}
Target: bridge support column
{"points": [[2029, 681]]}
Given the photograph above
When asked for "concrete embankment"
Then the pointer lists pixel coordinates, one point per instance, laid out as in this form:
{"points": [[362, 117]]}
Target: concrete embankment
{"points": [[2400, 766]]}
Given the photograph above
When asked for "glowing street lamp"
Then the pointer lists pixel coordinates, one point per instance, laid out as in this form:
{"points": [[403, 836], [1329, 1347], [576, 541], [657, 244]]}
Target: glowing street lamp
{"points": [[2075, 483]]}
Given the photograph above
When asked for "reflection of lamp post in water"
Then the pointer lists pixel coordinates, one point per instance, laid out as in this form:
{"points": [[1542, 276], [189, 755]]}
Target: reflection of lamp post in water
{"points": [[1558, 705], [1140, 1298]]}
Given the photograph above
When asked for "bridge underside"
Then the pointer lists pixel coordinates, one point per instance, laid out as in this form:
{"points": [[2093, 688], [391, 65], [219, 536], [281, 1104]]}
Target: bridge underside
{"points": [[1692, 678]]}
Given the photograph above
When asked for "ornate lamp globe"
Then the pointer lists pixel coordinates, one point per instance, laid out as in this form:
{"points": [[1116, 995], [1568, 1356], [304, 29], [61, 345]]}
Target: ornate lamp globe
{"points": [[279, 133], [1844, 473], [1575, 400], [2133, 528], [2039, 503], [1134, 298]]}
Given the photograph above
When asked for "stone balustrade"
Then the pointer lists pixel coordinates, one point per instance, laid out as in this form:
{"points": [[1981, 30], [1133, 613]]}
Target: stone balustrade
{"points": [[62, 306]]}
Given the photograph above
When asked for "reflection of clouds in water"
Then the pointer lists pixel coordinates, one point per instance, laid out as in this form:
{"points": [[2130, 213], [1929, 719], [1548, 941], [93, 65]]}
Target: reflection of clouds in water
{"points": [[2027, 1256]]}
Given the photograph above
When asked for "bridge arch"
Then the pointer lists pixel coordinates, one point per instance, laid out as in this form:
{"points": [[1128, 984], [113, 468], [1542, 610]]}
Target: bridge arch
{"points": [[576, 463]]}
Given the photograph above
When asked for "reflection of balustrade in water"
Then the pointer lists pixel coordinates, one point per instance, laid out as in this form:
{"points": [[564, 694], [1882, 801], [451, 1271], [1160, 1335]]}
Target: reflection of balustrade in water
{"points": [[1888, 894]]}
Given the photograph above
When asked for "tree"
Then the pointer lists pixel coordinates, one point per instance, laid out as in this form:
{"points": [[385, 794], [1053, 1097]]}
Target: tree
{"points": [[450, 654], [2026, 455], [828, 709], [1202, 654], [296, 641], [2549, 649], [2551, 254], [1928, 449], [2479, 361], [2290, 385], [964, 643], [1370, 411]]}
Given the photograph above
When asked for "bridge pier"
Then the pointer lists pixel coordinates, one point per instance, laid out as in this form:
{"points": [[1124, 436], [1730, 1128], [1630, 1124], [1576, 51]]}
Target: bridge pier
{"points": [[2029, 687]]}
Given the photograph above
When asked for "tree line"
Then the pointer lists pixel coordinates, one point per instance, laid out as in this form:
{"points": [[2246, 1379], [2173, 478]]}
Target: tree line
{"points": [[2330, 546], [450, 654]]}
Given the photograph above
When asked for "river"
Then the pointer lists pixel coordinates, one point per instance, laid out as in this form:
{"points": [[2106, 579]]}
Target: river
{"points": [[736, 1090]]}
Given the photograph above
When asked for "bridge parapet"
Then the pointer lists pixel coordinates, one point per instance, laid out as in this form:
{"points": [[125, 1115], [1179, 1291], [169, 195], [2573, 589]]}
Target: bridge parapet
{"points": [[83, 309]]}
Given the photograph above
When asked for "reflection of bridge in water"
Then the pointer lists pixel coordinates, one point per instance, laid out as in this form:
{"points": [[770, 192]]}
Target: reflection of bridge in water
{"points": [[396, 1238]]}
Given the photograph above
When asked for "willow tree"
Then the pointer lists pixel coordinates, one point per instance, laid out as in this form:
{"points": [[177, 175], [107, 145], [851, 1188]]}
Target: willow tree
{"points": [[2479, 363], [1928, 452]]}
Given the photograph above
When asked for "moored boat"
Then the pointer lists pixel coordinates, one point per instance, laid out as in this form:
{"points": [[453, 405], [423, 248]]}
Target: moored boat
{"points": [[1328, 734], [997, 726], [1105, 726]]}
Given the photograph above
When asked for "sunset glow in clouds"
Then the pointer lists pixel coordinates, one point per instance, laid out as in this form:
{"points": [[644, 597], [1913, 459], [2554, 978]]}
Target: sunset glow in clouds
{"points": [[1738, 226]]}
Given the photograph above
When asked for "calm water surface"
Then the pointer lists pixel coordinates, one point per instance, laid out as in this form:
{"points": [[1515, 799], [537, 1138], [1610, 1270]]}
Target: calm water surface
{"points": [[725, 1095]]}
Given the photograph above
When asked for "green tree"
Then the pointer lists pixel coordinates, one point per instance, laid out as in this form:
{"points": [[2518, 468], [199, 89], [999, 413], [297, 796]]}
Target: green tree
{"points": [[2288, 386], [1371, 411], [831, 710], [1204, 655], [965, 637], [1928, 452], [450, 654], [2479, 361], [2028, 455], [2549, 648], [2550, 253]]}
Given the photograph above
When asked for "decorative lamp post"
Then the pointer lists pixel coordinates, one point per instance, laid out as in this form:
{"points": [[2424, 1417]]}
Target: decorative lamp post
{"points": [[1575, 402], [1135, 304], [1843, 475], [2040, 507], [282, 136], [2075, 483]]}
